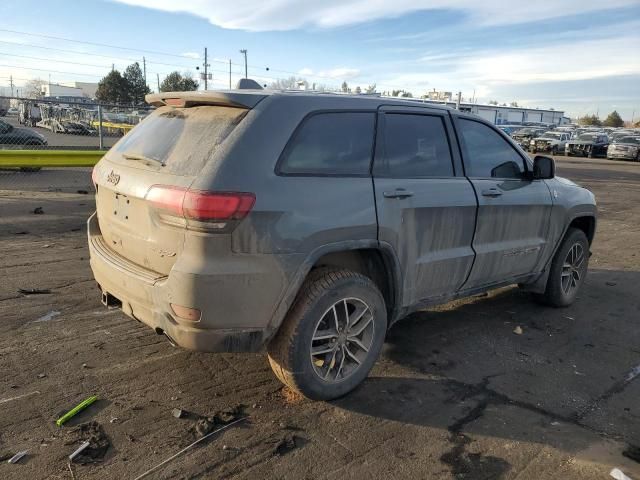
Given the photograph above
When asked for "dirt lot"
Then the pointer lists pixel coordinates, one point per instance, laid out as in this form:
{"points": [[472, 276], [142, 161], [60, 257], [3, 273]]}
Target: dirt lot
{"points": [[457, 394]]}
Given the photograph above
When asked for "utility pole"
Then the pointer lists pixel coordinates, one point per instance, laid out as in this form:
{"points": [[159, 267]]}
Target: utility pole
{"points": [[206, 66], [158, 79], [144, 69], [459, 100], [229, 74], [11, 83], [244, 52]]}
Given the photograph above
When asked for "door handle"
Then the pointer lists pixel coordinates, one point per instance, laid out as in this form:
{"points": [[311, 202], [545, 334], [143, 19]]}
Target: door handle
{"points": [[491, 192], [399, 193]]}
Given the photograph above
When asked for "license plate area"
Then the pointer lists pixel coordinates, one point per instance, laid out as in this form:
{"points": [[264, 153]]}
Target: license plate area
{"points": [[121, 206]]}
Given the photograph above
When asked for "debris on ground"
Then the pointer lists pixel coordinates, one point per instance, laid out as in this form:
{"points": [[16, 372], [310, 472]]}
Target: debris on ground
{"points": [[47, 317], [34, 291], [291, 396], [82, 192], [518, 330], [151, 470], [99, 443], [38, 211], [288, 444], [75, 410], [618, 475], [205, 425], [18, 456], [632, 452], [79, 450], [610, 284], [179, 413], [42, 375]]}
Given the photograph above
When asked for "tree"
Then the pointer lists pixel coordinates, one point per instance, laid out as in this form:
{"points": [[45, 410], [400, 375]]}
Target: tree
{"points": [[135, 84], [113, 88], [401, 93], [358, 90], [590, 120], [513, 104], [33, 88], [613, 120], [177, 82], [290, 83], [493, 102], [371, 89], [345, 87]]}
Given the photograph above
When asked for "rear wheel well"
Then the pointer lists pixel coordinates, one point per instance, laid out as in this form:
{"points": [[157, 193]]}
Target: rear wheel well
{"points": [[369, 262], [586, 224]]}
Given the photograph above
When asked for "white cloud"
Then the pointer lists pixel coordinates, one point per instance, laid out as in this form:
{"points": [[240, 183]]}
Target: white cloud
{"points": [[193, 55], [305, 72], [258, 15]]}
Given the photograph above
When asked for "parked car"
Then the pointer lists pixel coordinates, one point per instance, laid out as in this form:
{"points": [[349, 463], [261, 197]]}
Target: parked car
{"points": [[524, 136], [12, 112], [75, 128], [309, 224], [551, 142], [10, 135], [626, 148], [588, 145]]}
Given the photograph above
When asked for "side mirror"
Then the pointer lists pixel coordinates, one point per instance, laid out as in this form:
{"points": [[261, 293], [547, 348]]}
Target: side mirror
{"points": [[543, 167]]}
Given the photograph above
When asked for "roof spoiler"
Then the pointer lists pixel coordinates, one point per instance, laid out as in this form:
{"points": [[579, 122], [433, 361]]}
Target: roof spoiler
{"points": [[205, 97]]}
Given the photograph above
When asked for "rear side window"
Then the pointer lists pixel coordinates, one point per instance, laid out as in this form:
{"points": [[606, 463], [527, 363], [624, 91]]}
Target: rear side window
{"points": [[488, 155], [414, 146], [331, 143], [180, 139]]}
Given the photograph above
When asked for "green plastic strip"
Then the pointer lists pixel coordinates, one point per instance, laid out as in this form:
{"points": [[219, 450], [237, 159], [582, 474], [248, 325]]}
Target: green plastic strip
{"points": [[78, 408], [50, 158]]}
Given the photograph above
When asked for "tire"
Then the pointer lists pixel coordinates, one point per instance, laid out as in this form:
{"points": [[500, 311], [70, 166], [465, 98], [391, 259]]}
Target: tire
{"points": [[554, 150], [556, 293], [317, 307]]}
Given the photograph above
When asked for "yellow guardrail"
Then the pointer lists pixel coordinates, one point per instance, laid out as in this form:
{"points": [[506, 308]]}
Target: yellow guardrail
{"points": [[50, 158], [124, 127]]}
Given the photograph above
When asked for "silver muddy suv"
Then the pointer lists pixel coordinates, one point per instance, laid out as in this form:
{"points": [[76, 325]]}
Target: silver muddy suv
{"points": [[310, 223]]}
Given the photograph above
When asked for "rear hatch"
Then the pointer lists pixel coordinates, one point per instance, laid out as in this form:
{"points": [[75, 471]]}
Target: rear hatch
{"points": [[140, 180]]}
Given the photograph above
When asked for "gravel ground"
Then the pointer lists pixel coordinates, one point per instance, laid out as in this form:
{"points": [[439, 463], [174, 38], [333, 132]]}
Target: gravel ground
{"points": [[457, 394]]}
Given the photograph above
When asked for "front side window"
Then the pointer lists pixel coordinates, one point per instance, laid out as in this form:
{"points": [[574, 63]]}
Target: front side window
{"points": [[415, 146], [488, 155], [331, 143]]}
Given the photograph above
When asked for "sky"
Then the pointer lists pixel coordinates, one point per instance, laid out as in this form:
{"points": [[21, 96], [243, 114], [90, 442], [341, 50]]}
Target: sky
{"points": [[580, 56]]}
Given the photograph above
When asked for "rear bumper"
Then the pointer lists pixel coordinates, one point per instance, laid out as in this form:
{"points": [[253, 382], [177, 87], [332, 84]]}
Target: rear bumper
{"points": [[146, 296]]}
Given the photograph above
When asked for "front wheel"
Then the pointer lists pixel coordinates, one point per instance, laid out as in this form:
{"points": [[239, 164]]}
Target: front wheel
{"points": [[332, 335], [568, 270], [554, 150]]}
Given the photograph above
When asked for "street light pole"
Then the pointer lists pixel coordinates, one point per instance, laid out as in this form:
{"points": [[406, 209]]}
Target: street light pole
{"points": [[244, 52]]}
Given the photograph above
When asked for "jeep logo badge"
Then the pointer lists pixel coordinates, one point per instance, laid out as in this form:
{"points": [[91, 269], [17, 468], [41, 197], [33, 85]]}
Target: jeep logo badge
{"points": [[113, 178]]}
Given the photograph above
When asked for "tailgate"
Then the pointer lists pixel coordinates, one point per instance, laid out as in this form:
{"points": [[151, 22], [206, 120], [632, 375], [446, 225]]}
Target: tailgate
{"points": [[129, 226]]}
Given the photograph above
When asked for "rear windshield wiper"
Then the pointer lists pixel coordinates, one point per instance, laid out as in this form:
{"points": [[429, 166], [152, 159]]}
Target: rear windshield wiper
{"points": [[142, 158]]}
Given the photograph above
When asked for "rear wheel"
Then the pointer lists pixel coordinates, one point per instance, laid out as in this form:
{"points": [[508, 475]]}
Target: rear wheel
{"points": [[332, 335], [568, 270]]}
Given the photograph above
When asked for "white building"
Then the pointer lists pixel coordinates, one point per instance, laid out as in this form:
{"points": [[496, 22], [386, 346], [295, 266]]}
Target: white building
{"points": [[71, 89], [500, 115]]}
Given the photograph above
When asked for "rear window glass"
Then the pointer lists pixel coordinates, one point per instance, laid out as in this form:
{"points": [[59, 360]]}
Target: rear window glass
{"points": [[181, 139], [338, 143]]}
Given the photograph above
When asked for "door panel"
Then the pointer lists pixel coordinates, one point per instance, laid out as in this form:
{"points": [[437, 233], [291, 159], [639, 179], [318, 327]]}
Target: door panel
{"points": [[513, 218], [431, 232], [513, 211], [426, 207]]}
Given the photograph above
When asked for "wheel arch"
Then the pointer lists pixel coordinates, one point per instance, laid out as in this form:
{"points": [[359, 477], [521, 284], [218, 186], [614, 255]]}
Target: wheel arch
{"points": [[376, 260]]}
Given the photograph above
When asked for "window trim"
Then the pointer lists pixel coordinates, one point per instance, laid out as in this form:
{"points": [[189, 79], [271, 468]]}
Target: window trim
{"points": [[281, 158], [465, 157], [381, 150]]}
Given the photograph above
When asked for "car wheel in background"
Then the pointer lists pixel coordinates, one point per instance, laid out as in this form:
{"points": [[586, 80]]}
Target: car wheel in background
{"points": [[568, 270], [331, 336], [554, 150]]}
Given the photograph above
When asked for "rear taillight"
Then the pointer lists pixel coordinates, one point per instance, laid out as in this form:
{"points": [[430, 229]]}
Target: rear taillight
{"points": [[201, 209]]}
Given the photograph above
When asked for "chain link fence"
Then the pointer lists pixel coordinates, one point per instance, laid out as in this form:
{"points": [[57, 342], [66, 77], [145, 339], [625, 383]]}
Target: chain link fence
{"points": [[39, 135]]}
